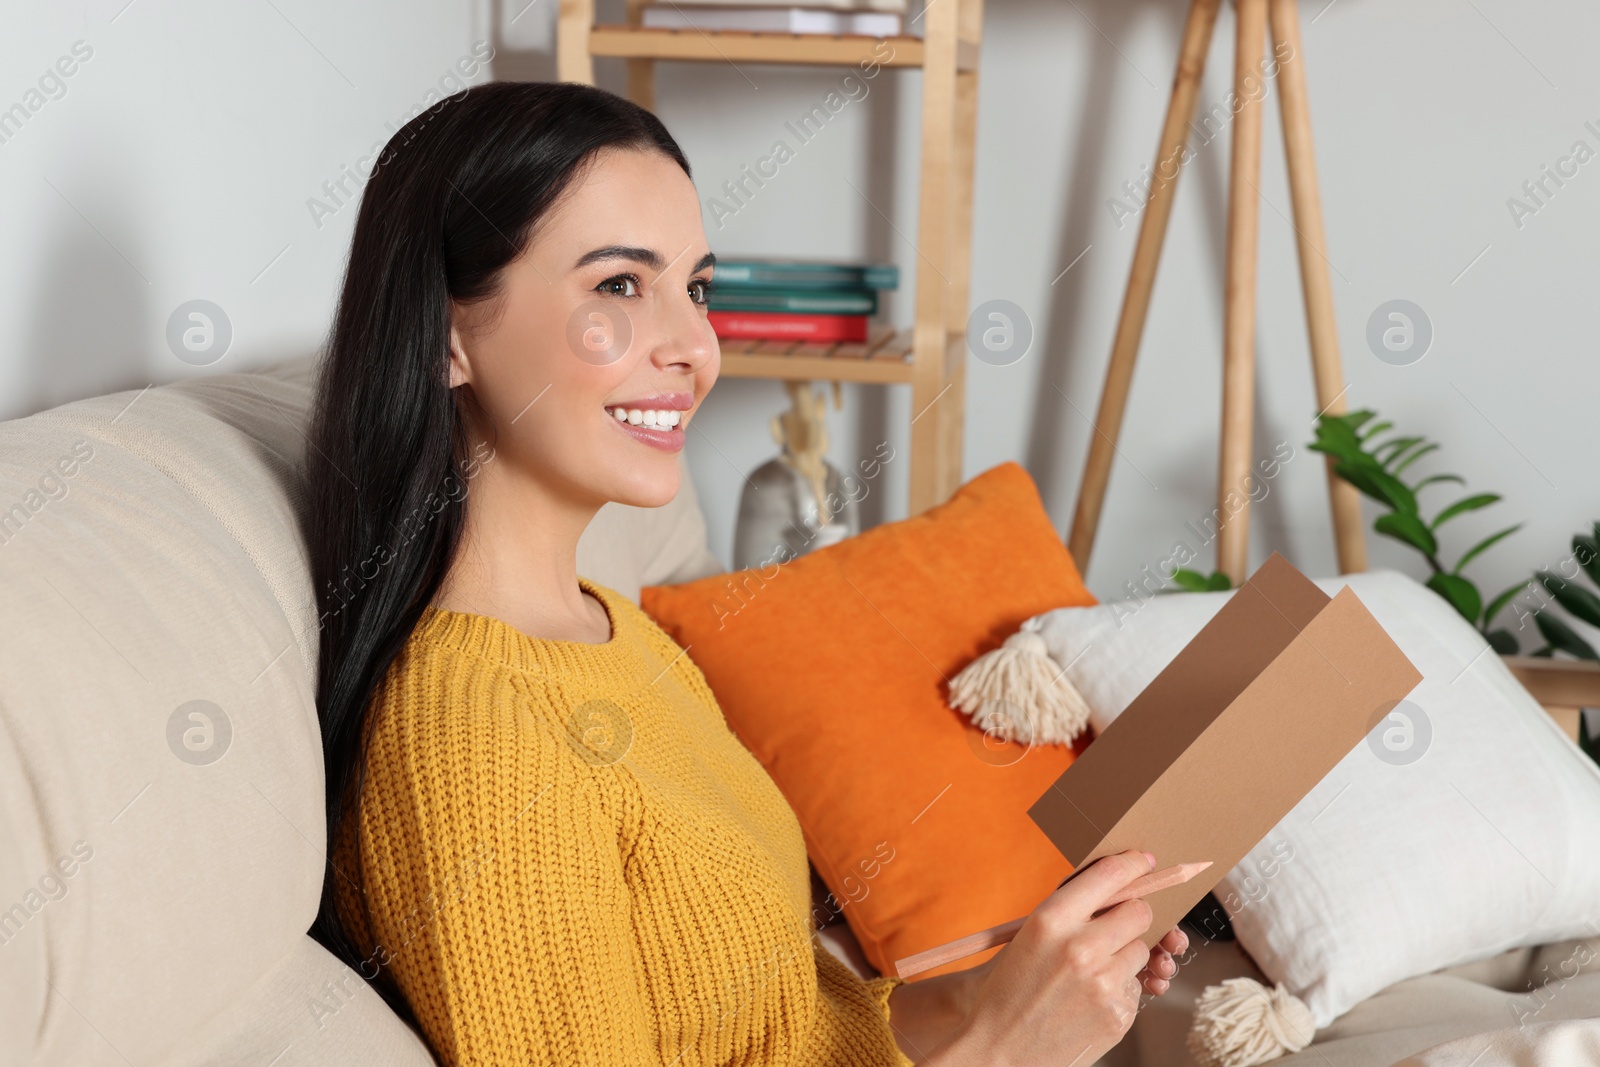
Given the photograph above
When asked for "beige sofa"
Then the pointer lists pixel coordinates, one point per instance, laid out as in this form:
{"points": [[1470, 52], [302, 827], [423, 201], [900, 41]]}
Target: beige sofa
{"points": [[158, 872]]}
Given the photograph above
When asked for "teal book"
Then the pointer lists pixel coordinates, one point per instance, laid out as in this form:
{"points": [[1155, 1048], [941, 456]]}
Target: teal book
{"points": [[804, 302], [805, 274]]}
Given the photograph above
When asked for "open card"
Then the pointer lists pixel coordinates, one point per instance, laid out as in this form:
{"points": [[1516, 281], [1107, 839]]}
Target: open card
{"points": [[1276, 689]]}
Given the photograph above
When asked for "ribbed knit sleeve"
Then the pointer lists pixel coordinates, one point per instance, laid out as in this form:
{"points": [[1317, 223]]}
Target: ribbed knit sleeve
{"points": [[880, 988], [848, 1004], [492, 866]]}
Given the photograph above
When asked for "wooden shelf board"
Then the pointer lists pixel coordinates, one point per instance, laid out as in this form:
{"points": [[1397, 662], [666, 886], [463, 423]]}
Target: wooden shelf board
{"points": [[1558, 682], [885, 358], [724, 46]]}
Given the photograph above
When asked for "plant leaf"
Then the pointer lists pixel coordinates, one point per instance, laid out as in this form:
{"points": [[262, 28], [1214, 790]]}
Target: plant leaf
{"points": [[1343, 450], [1360, 476], [1575, 598], [1430, 479], [1462, 595], [1375, 429], [1396, 492], [1411, 530], [1483, 546], [1418, 454], [1465, 504], [1219, 582], [1393, 449], [1193, 581], [1563, 638], [1498, 604], [1587, 551], [1346, 423], [1352, 419], [1588, 743], [1503, 642], [1337, 438], [1341, 428]]}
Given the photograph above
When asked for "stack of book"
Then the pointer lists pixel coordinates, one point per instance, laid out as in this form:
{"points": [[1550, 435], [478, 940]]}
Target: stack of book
{"points": [[773, 20], [870, 18], [797, 300]]}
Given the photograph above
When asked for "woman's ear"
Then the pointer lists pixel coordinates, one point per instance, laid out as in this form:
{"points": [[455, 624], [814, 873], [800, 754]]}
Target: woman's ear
{"points": [[460, 365]]}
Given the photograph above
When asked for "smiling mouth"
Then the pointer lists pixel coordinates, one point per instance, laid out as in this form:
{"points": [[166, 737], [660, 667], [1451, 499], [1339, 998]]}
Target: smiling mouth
{"points": [[664, 420]]}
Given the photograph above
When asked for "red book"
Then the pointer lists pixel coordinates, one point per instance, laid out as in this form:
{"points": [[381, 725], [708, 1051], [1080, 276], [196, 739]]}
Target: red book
{"points": [[785, 326]]}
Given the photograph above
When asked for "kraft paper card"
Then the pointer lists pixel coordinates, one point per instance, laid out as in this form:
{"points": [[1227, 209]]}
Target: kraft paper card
{"points": [[1276, 689]]}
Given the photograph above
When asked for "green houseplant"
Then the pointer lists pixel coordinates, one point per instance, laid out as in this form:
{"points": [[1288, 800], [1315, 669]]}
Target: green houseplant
{"points": [[1579, 601], [1377, 468], [1194, 582]]}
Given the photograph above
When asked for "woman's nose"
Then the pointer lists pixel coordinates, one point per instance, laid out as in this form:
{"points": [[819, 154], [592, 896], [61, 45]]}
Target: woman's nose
{"points": [[685, 339]]}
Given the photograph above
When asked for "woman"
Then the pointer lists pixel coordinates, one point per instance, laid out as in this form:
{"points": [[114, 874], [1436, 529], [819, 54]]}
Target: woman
{"points": [[524, 313]]}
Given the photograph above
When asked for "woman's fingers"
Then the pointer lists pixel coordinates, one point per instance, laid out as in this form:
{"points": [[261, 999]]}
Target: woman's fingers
{"points": [[1132, 959], [1087, 893], [1159, 972], [1075, 974], [1122, 925]]}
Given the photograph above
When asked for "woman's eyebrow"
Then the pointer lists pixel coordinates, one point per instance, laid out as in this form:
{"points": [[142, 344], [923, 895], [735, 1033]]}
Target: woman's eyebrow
{"points": [[648, 257]]}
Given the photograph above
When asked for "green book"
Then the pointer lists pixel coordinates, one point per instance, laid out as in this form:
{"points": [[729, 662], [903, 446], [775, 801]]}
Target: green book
{"points": [[805, 274], [807, 302]]}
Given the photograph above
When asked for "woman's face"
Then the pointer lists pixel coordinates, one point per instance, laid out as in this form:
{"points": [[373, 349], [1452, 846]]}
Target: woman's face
{"points": [[603, 312]]}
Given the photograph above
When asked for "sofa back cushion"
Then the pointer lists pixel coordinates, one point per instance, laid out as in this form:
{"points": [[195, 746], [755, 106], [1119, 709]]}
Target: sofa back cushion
{"points": [[160, 765]]}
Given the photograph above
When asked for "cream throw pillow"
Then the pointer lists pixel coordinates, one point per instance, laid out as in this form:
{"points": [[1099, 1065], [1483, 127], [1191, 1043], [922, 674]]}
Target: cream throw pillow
{"points": [[1468, 824]]}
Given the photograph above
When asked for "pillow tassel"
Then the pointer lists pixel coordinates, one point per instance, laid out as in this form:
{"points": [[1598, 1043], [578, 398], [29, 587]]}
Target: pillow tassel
{"points": [[1241, 1023], [1019, 693]]}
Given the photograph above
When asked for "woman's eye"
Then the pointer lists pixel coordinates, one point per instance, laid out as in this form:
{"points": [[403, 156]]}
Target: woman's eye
{"points": [[621, 285], [700, 290]]}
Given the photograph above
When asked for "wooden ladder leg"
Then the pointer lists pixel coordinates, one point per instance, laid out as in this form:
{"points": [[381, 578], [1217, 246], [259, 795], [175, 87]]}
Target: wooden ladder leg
{"points": [[952, 407], [1171, 154], [1349, 541], [930, 380], [641, 72], [573, 23], [1239, 312], [642, 83]]}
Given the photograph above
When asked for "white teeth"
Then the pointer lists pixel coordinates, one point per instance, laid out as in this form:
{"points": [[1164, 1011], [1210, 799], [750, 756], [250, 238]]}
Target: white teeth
{"points": [[653, 418]]}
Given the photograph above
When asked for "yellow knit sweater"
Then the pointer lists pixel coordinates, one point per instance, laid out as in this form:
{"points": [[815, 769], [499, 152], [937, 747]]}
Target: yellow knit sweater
{"points": [[567, 858]]}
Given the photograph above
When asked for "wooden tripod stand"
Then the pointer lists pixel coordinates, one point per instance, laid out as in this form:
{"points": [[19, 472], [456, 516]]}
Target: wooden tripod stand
{"points": [[1238, 343]]}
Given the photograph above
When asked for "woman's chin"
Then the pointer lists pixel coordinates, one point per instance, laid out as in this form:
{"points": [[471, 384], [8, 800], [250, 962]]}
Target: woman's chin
{"points": [[649, 488]]}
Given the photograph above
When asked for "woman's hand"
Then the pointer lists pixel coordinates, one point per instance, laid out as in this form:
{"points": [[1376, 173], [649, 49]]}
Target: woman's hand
{"points": [[1067, 987]]}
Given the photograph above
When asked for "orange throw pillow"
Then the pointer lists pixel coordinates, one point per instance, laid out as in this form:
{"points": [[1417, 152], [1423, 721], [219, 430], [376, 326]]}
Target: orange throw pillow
{"points": [[833, 670]]}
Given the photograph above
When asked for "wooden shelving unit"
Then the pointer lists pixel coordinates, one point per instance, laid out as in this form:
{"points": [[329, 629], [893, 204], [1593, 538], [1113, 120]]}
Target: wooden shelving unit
{"points": [[638, 42], [1565, 687], [883, 360], [930, 357]]}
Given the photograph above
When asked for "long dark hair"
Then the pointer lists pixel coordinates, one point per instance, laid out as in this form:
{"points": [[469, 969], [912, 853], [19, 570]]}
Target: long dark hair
{"points": [[452, 199]]}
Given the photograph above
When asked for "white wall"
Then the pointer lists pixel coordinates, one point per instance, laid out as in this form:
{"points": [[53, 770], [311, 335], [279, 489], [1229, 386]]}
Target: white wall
{"points": [[178, 164], [180, 160]]}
